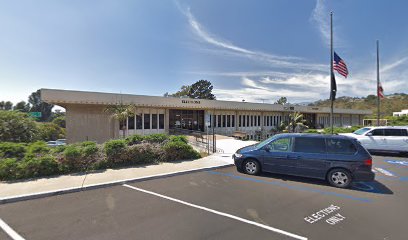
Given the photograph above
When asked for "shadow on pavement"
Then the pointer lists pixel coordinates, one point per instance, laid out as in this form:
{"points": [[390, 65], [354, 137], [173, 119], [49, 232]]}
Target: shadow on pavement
{"points": [[371, 187]]}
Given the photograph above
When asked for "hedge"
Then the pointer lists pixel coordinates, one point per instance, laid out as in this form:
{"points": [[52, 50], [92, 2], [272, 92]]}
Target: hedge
{"points": [[20, 160]]}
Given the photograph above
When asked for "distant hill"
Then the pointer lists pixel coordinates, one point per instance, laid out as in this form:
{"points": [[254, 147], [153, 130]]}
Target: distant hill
{"points": [[391, 103]]}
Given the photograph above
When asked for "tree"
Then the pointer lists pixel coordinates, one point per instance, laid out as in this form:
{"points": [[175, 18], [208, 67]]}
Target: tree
{"points": [[121, 112], [6, 105], [17, 127], [60, 121], [22, 107], [201, 90], [50, 131], [295, 123], [183, 92], [282, 101], [37, 105]]}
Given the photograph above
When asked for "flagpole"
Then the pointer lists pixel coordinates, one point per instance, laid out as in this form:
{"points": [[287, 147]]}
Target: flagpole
{"points": [[378, 85], [331, 71]]}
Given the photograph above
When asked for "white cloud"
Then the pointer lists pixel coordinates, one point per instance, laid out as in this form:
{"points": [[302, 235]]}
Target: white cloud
{"points": [[272, 60]]}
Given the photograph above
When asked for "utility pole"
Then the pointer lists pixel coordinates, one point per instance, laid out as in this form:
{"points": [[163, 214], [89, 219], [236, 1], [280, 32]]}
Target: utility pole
{"points": [[378, 85]]}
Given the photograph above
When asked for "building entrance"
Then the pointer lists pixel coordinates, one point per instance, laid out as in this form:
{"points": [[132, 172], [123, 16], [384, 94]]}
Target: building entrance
{"points": [[186, 119]]}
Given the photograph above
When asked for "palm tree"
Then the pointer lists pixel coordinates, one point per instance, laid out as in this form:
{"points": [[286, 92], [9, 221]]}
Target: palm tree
{"points": [[296, 122], [121, 112]]}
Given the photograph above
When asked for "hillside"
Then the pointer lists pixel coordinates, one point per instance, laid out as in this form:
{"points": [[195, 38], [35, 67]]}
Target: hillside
{"points": [[391, 103]]}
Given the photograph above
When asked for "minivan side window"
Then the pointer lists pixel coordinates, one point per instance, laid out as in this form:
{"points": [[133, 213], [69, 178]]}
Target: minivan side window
{"points": [[310, 145], [280, 145], [340, 146], [377, 132], [393, 132]]}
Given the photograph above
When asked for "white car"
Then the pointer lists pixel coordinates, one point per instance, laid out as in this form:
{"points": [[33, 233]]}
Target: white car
{"points": [[382, 139]]}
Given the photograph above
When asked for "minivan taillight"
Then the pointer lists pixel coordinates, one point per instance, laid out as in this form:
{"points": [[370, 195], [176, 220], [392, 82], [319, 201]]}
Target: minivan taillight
{"points": [[368, 162]]}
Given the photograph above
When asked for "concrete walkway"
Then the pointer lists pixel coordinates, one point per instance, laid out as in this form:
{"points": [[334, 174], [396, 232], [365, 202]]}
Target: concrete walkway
{"points": [[72, 181]]}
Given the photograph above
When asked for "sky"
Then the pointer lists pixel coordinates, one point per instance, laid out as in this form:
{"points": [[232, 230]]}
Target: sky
{"points": [[257, 51]]}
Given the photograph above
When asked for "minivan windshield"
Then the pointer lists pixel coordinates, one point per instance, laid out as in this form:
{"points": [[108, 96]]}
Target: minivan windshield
{"points": [[361, 131], [263, 143]]}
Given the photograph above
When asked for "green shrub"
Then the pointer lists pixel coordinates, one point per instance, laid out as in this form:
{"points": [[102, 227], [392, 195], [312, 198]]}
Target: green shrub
{"points": [[17, 127], [8, 169], [311, 131], [134, 139], [156, 138], [142, 153], [38, 167], [114, 149], [58, 149], [12, 150], [178, 138], [179, 150], [89, 150], [72, 152], [87, 143], [38, 148], [50, 131]]}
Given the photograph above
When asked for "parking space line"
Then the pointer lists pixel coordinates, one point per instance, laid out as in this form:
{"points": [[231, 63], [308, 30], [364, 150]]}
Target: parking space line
{"points": [[13, 234], [309, 189], [219, 213]]}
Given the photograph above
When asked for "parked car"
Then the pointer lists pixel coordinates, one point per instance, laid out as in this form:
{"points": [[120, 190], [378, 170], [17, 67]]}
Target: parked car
{"points": [[61, 141], [338, 159], [58, 142], [382, 139]]}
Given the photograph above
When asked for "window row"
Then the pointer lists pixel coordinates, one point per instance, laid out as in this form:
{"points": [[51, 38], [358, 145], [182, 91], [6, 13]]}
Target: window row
{"points": [[145, 121], [222, 120], [272, 120], [249, 121]]}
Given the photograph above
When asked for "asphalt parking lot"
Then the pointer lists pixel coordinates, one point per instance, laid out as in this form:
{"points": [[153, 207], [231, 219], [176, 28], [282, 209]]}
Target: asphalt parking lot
{"points": [[222, 204]]}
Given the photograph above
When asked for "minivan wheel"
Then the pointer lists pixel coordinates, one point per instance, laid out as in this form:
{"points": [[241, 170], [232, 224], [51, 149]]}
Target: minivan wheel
{"points": [[251, 167], [340, 178]]}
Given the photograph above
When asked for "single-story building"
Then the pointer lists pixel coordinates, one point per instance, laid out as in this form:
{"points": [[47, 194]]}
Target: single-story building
{"points": [[87, 120]]}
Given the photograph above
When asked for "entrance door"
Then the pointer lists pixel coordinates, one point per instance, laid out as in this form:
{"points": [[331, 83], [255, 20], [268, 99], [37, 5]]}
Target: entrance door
{"points": [[186, 119]]}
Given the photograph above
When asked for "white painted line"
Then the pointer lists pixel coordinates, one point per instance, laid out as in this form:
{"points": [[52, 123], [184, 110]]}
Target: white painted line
{"points": [[385, 172], [13, 234], [219, 213]]}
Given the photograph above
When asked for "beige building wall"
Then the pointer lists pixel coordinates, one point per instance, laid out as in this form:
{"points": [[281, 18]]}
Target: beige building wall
{"points": [[89, 123]]}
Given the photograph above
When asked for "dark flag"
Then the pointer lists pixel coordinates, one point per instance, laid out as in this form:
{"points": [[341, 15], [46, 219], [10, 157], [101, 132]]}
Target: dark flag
{"points": [[333, 86], [339, 65]]}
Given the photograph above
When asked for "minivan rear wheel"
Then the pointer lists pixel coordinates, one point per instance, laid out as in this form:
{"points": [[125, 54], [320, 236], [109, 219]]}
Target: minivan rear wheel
{"points": [[340, 178], [251, 167]]}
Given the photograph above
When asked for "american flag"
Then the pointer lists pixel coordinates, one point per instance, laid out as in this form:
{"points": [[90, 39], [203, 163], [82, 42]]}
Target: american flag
{"points": [[339, 65], [380, 91]]}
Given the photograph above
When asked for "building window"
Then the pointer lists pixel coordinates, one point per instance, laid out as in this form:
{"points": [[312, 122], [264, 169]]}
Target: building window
{"points": [[252, 121], [131, 123], [239, 121], [219, 121], [223, 120], [161, 121], [248, 124], [259, 120], [233, 121], [139, 121], [243, 121], [228, 121], [213, 120], [154, 121], [146, 118]]}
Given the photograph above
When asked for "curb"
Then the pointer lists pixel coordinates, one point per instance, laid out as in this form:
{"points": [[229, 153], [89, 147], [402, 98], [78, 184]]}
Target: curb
{"points": [[26, 197]]}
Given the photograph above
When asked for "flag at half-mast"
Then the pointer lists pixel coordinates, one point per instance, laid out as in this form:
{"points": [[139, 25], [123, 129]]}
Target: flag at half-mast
{"points": [[380, 90], [339, 65]]}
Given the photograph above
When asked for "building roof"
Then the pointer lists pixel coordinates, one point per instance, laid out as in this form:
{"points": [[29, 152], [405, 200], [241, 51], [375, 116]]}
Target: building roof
{"points": [[69, 97]]}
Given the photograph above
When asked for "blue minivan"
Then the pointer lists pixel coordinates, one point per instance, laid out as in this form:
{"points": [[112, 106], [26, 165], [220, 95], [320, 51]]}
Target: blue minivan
{"points": [[338, 159]]}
